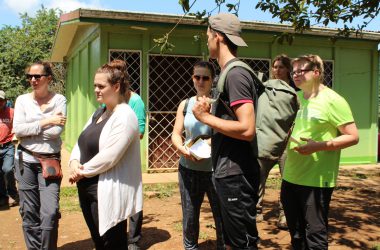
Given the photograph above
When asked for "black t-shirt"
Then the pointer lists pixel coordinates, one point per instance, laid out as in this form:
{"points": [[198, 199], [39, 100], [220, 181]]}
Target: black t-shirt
{"points": [[233, 156], [88, 143]]}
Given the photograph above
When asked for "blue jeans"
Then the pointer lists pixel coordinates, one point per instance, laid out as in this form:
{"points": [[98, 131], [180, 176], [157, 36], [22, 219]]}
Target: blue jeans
{"points": [[193, 185], [7, 177]]}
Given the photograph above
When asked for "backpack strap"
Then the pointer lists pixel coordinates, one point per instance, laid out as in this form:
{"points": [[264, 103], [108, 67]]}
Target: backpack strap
{"points": [[223, 74], [186, 105]]}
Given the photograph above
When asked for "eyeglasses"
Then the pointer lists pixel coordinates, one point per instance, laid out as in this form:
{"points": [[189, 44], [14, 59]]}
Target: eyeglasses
{"points": [[204, 78], [37, 77], [300, 72]]}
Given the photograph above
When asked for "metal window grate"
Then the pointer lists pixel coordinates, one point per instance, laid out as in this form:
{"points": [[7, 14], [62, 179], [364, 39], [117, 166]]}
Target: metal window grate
{"points": [[169, 83], [329, 73], [133, 60], [258, 65]]}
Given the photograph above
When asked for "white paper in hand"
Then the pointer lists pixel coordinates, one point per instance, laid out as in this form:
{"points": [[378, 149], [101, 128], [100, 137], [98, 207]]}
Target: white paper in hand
{"points": [[200, 149]]}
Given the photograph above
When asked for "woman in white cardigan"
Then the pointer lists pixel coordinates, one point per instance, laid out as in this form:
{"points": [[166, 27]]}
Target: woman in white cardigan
{"points": [[106, 164]]}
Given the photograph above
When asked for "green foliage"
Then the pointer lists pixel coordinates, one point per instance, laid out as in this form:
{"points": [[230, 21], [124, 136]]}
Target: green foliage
{"points": [[22, 45], [301, 14]]}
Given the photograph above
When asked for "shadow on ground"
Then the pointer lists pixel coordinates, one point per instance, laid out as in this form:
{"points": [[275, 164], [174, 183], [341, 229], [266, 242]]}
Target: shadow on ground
{"points": [[152, 236], [78, 245]]}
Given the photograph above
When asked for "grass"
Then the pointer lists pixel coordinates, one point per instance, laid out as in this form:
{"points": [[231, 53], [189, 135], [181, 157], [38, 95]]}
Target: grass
{"points": [[203, 235], [273, 183], [160, 191], [69, 201], [177, 226], [376, 247]]}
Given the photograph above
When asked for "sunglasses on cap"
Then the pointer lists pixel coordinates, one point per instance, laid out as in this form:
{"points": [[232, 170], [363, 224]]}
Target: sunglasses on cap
{"points": [[37, 77], [204, 78]]}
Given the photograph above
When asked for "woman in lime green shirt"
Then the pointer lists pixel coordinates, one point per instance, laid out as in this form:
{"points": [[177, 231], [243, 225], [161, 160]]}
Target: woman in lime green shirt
{"points": [[324, 125]]}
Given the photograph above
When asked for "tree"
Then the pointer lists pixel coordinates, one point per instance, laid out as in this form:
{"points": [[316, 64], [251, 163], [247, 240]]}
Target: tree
{"points": [[300, 14], [21, 45]]}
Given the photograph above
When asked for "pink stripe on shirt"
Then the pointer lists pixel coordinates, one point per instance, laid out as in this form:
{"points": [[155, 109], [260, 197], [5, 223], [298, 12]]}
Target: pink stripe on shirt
{"points": [[241, 102]]}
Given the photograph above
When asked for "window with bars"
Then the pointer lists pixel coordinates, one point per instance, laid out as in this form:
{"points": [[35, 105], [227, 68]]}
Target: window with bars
{"points": [[258, 65], [169, 83], [133, 60], [329, 73]]}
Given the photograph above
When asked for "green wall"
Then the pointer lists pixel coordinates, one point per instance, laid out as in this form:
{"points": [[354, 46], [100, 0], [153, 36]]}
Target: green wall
{"points": [[356, 65]]}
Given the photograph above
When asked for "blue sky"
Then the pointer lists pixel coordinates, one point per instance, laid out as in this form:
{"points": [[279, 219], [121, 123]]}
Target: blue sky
{"points": [[10, 9]]}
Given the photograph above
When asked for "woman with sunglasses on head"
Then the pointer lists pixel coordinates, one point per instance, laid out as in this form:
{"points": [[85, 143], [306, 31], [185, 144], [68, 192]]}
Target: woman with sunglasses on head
{"points": [[281, 68], [324, 125], [39, 118], [106, 163], [195, 176]]}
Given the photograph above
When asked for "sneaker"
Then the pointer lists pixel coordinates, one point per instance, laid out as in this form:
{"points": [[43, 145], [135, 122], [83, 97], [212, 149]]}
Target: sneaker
{"points": [[281, 224], [133, 246], [259, 218], [13, 202]]}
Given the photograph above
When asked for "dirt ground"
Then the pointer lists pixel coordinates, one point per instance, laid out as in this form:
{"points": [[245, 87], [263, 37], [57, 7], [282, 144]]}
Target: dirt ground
{"points": [[354, 220]]}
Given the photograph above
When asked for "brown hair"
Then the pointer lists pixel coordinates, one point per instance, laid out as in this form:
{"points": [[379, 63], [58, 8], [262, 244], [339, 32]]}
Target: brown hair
{"points": [[117, 73], [207, 65], [47, 67], [230, 45], [313, 62]]}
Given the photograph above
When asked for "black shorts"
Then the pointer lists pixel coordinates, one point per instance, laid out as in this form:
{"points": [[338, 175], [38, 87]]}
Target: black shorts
{"points": [[238, 197]]}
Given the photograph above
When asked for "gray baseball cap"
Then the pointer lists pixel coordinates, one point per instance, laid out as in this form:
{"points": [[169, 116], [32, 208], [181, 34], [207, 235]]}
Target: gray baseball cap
{"points": [[229, 25], [2, 95]]}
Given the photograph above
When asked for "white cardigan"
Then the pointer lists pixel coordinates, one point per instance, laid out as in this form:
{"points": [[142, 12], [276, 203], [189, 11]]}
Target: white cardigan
{"points": [[118, 164]]}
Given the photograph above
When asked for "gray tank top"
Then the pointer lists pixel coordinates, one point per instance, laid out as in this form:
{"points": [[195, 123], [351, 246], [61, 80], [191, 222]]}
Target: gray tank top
{"points": [[194, 128]]}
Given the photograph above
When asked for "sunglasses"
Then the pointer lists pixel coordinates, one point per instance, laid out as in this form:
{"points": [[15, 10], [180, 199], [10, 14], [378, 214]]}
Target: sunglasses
{"points": [[37, 77], [204, 78]]}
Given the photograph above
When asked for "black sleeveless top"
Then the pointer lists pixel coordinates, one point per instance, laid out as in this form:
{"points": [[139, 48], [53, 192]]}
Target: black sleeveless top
{"points": [[88, 143]]}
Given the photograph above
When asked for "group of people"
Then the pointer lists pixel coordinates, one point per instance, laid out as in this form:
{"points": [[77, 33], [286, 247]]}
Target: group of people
{"points": [[309, 166], [105, 163], [106, 166]]}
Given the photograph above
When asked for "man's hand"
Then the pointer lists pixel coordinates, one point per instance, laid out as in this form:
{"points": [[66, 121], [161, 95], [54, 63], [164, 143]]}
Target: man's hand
{"points": [[202, 108]]}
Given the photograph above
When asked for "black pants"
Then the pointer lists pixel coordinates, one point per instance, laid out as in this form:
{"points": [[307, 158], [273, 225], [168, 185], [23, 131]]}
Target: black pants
{"points": [[116, 237], [135, 225], [306, 210], [237, 196]]}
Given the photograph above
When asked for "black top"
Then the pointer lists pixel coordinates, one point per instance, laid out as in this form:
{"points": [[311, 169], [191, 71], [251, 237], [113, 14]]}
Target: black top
{"points": [[232, 156], [88, 143]]}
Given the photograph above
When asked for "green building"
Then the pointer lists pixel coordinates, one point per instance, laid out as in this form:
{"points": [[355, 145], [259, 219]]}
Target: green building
{"points": [[86, 39]]}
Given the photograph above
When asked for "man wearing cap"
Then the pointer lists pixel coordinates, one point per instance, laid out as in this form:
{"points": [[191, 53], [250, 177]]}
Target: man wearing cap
{"points": [[236, 170], [8, 191]]}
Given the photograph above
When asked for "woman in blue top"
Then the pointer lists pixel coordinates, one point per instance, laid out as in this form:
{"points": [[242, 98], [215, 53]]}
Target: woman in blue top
{"points": [[195, 176]]}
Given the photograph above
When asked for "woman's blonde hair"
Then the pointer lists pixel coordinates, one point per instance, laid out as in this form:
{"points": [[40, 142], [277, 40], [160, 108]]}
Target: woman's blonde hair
{"points": [[314, 62]]}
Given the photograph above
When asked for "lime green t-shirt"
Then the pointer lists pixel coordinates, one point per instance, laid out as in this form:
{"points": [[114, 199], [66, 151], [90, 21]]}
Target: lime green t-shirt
{"points": [[318, 118]]}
